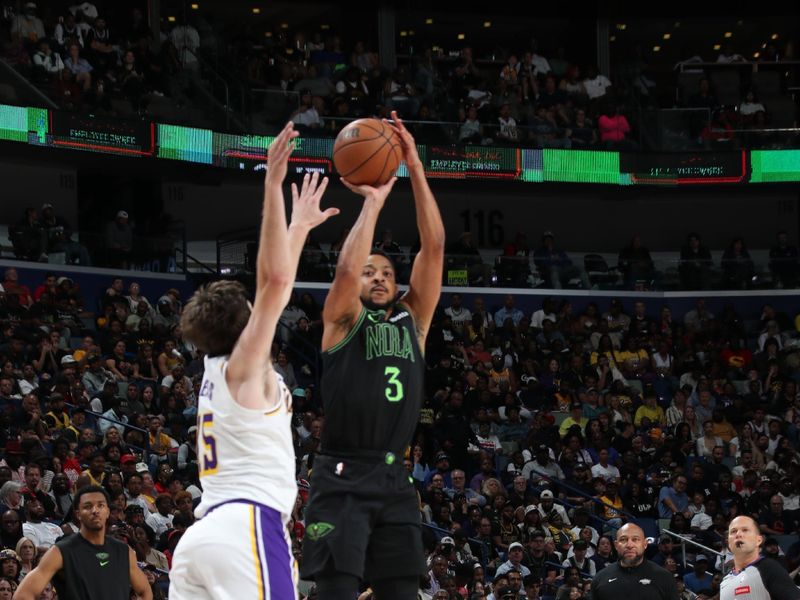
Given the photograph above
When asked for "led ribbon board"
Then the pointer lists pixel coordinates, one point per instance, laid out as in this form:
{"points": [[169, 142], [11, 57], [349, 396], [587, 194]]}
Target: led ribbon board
{"points": [[774, 165], [685, 167], [101, 134], [473, 162]]}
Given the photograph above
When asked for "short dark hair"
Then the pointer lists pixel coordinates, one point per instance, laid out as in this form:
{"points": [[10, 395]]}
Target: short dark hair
{"points": [[90, 489], [379, 252], [215, 316]]}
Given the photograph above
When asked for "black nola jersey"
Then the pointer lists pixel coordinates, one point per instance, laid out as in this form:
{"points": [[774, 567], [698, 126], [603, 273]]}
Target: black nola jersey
{"points": [[93, 572], [372, 384]]}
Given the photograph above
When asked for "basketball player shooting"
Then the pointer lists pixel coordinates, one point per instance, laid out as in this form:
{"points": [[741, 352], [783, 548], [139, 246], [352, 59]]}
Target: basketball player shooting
{"points": [[240, 547], [363, 518]]}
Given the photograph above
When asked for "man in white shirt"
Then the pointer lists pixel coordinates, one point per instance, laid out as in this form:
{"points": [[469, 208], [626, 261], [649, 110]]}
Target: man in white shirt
{"points": [[161, 520], [515, 554], [459, 315], [42, 534], [605, 470], [544, 313], [596, 84]]}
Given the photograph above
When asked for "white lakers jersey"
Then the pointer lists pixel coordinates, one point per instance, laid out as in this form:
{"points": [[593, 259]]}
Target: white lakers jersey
{"points": [[243, 453]]}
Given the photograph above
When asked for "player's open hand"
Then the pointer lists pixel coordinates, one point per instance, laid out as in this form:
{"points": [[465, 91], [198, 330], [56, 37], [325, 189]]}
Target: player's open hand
{"points": [[305, 202], [278, 154], [376, 195], [410, 154]]}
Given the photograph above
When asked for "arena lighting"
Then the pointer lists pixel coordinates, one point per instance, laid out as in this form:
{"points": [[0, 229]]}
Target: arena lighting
{"points": [[728, 34], [256, 10], [717, 46], [410, 32], [656, 48], [756, 55], [324, 27], [613, 38], [403, 33], [461, 36], [267, 34], [171, 19], [666, 36], [763, 46], [428, 21], [195, 6], [622, 26], [284, 26], [774, 36], [487, 24]]}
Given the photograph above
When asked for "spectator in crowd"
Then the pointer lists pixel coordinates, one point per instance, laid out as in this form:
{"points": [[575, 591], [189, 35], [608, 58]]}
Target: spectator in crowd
{"points": [[614, 129], [554, 266], [28, 27], [306, 117], [695, 265], [737, 266], [79, 67], [783, 262], [119, 241], [47, 61]]}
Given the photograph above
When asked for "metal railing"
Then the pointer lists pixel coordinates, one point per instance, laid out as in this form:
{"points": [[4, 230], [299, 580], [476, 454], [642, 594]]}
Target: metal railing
{"points": [[685, 540]]}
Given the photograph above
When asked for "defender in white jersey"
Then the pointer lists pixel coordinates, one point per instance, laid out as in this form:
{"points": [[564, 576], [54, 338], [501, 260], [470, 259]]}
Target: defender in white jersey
{"points": [[240, 547]]}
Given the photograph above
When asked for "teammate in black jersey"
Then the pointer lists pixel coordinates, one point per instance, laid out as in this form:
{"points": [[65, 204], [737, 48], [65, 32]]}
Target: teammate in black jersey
{"points": [[363, 517], [88, 565]]}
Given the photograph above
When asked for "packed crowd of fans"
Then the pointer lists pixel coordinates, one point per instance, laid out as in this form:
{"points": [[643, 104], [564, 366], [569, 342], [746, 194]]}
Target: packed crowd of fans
{"points": [[548, 265], [84, 59], [540, 434]]}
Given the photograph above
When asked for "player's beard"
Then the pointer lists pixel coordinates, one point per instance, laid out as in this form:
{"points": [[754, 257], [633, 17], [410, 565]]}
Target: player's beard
{"points": [[631, 562], [372, 305]]}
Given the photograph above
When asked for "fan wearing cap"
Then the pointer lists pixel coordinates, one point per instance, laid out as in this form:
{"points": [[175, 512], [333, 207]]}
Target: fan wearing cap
{"points": [[542, 466], [633, 576], [516, 553], [575, 418], [27, 27], [699, 578], [549, 509]]}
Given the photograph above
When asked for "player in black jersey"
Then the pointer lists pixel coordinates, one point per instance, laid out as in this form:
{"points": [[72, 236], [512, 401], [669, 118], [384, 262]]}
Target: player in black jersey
{"points": [[88, 565], [363, 518]]}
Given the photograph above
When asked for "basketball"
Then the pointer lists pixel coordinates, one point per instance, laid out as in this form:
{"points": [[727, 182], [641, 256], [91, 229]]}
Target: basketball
{"points": [[367, 152]]}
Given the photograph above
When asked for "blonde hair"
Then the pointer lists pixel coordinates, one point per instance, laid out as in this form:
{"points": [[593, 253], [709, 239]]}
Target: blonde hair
{"points": [[21, 541]]}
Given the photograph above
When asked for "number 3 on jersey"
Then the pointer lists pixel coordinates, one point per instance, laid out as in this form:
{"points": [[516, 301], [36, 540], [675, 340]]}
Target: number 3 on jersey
{"points": [[394, 391], [209, 450]]}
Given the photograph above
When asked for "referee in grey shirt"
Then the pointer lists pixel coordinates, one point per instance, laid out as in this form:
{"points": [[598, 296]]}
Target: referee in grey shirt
{"points": [[753, 577]]}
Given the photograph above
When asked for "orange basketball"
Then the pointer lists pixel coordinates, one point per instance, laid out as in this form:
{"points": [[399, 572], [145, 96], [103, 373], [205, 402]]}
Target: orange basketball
{"points": [[367, 152]]}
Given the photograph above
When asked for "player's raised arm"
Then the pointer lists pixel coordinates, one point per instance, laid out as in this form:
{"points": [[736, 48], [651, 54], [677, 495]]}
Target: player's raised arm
{"points": [[343, 304], [426, 274], [276, 265]]}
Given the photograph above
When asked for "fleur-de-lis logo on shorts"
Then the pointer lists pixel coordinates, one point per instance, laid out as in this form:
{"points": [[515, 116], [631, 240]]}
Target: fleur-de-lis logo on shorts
{"points": [[315, 531]]}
